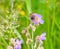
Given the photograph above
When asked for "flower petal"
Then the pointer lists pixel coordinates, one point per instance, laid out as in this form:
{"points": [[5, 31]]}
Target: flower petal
{"points": [[41, 42], [39, 16], [17, 40], [21, 42], [42, 37], [41, 21], [17, 47], [43, 34]]}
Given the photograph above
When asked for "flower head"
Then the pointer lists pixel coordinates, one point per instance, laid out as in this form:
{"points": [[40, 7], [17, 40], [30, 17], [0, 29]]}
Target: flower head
{"points": [[9, 47], [17, 47], [12, 40], [19, 41], [37, 38], [41, 38], [40, 47], [36, 18], [17, 44], [22, 12], [27, 34], [28, 41]]}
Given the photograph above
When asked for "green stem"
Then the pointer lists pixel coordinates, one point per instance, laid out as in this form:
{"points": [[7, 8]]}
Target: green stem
{"points": [[28, 4], [33, 40], [35, 45], [12, 4], [57, 24], [17, 33], [5, 43]]}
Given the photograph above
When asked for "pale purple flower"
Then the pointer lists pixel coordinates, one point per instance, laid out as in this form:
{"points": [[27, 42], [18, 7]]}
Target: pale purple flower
{"points": [[17, 47], [19, 41], [41, 21], [36, 18], [17, 44], [42, 37]]}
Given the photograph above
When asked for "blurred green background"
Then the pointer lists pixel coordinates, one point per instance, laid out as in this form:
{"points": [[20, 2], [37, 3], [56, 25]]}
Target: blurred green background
{"points": [[14, 16]]}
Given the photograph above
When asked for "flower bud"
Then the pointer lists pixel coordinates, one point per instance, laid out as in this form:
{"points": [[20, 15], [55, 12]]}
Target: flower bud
{"points": [[23, 31], [40, 47], [28, 41], [37, 38], [27, 34], [12, 40], [9, 47]]}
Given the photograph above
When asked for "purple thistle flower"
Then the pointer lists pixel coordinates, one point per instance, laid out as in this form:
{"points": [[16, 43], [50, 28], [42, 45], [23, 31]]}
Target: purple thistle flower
{"points": [[36, 18], [42, 37], [17, 44], [41, 21], [19, 41], [17, 47]]}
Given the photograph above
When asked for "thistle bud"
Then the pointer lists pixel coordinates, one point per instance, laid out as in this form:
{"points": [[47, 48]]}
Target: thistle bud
{"points": [[28, 41], [27, 34], [12, 40], [9, 47], [40, 47], [37, 38], [23, 31]]}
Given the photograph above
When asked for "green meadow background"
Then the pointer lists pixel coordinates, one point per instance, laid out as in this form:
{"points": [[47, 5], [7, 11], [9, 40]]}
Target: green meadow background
{"points": [[50, 11]]}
